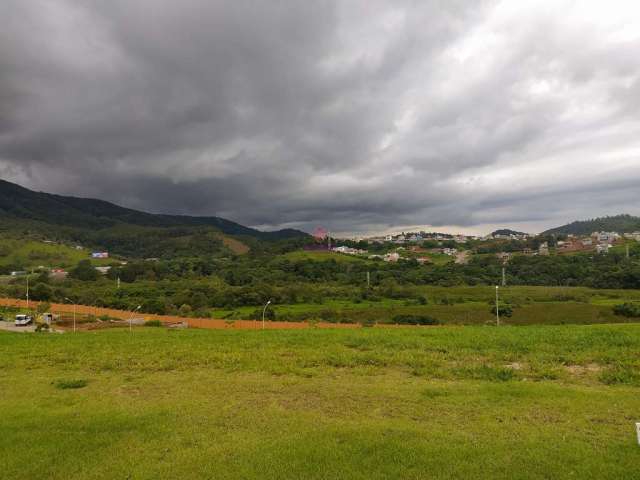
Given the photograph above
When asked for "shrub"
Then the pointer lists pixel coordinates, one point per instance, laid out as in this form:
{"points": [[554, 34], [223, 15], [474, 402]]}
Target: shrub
{"points": [[42, 327], [153, 323], [627, 310], [505, 310], [415, 320], [70, 384]]}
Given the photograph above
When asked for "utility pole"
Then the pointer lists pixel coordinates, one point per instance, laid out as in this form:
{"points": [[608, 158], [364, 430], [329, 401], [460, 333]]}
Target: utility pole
{"points": [[264, 311], [131, 318], [504, 277], [497, 307], [27, 291], [329, 241], [74, 313], [368, 280], [627, 251]]}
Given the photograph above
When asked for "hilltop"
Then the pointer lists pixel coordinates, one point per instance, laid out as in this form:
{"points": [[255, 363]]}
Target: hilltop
{"points": [[617, 223], [507, 232], [102, 224]]}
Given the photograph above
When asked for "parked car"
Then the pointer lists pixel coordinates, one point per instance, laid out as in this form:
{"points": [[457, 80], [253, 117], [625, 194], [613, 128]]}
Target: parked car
{"points": [[23, 320]]}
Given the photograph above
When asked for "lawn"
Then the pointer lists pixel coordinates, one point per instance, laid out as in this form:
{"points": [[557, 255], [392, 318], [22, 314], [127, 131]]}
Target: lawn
{"points": [[433, 402], [31, 254]]}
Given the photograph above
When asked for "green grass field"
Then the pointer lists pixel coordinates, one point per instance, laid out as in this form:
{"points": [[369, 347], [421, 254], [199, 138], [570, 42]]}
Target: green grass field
{"points": [[532, 402], [467, 305], [319, 256], [31, 254]]}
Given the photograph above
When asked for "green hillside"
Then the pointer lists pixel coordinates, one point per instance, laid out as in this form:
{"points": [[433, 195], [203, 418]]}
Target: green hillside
{"points": [[20, 203], [617, 223], [27, 254], [103, 225]]}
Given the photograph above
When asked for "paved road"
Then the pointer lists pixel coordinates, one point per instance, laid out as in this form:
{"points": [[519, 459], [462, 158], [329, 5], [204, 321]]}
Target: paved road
{"points": [[10, 326]]}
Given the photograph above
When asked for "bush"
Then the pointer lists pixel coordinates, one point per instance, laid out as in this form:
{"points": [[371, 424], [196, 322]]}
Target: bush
{"points": [[627, 310], [505, 310], [70, 384], [415, 320], [153, 323], [84, 271], [42, 327]]}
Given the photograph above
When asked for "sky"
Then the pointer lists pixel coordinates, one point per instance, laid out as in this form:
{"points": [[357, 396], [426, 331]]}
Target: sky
{"points": [[360, 116]]}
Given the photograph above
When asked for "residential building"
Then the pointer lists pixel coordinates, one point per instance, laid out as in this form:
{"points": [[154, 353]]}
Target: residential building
{"points": [[543, 249]]}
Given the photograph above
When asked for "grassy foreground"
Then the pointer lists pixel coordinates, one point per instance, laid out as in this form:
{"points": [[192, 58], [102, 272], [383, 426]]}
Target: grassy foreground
{"points": [[439, 402]]}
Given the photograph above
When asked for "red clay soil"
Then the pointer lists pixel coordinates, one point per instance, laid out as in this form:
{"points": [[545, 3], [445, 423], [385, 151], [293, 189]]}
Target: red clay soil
{"points": [[67, 310]]}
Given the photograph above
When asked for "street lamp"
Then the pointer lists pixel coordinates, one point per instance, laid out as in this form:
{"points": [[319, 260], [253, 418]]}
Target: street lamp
{"points": [[497, 308], [263, 312], [131, 317], [74, 313]]}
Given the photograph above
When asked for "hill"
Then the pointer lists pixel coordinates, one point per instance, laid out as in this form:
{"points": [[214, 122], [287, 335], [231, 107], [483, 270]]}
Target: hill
{"points": [[102, 224], [617, 223], [506, 231]]}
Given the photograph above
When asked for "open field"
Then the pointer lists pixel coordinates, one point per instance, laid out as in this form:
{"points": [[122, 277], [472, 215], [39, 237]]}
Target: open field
{"points": [[31, 254], [321, 255], [469, 305], [435, 402]]}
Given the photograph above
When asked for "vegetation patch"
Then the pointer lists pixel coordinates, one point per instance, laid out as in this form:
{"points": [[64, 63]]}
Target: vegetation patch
{"points": [[627, 309], [70, 384], [415, 320]]}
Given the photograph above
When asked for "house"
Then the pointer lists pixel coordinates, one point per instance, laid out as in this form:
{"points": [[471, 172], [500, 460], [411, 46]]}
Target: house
{"points": [[391, 257], [58, 273], [602, 237], [449, 251], [603, 248], [103, 270], [504, 256], [543, 249], [18, 273], [348, 250]]}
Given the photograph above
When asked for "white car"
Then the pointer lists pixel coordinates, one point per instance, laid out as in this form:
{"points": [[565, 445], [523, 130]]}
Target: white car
{"points": [[23, 320]]}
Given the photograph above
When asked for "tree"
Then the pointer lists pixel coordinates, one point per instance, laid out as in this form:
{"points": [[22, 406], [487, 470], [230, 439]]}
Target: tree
{"points": [[185, 310], [41, 291], [84, 271], [43, 307]]}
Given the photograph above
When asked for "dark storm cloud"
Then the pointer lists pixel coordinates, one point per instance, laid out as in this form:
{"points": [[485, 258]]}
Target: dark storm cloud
{"points": [[356, 115]]}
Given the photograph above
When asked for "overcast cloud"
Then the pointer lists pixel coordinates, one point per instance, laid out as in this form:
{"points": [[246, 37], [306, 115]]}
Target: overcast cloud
{"points": [[359, 116]]}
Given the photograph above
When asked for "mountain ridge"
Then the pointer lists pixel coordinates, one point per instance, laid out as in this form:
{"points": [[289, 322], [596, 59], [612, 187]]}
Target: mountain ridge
{"points": [[21, 203], [623, 223]]}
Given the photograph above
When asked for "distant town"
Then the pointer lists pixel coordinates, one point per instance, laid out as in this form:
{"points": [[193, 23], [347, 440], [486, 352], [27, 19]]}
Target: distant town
{"points": [[459, 246]]}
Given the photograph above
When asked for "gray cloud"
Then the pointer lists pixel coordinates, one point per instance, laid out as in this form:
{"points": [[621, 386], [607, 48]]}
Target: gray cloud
{"points": [[358, 116]]}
